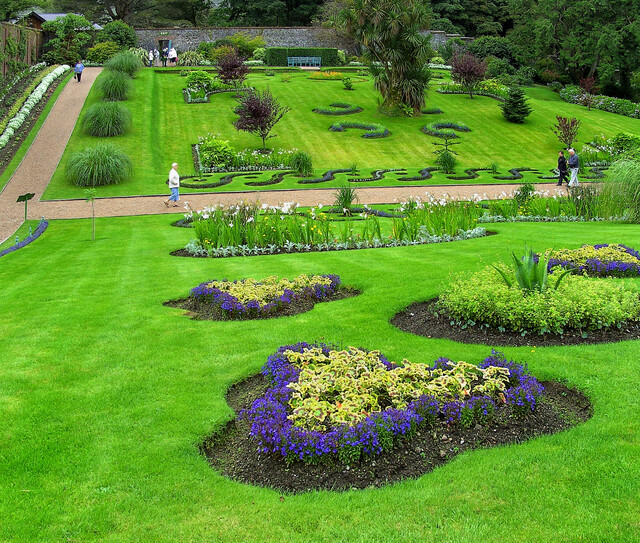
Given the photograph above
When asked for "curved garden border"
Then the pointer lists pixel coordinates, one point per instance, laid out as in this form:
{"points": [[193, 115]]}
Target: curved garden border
{"points": [[42, 226], [421, 319], [373, 130], [435, 129], [343, 109]]}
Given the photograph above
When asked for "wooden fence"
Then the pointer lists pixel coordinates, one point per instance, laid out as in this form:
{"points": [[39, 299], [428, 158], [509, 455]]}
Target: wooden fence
{"points": [[18, 45]]}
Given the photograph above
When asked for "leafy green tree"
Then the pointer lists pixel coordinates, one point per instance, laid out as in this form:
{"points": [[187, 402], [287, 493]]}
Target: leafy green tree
{"points": [[71, 37], [120, 33], [271, 12], [388, 31], [9, 8], [584, 38], [515, 108]]}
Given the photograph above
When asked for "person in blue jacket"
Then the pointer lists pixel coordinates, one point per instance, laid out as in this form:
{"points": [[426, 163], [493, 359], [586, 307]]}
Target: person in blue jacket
{"points": [[78, 70]]}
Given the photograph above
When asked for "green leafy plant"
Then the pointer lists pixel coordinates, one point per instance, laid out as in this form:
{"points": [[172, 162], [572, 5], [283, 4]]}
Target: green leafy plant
{"points": [[103, 164], [90, 196], [106, 119], [446, 162], [101, 52], [348, 84], [114, 86], [515, 108], [531, 273], [301, 163], [345, 196]]}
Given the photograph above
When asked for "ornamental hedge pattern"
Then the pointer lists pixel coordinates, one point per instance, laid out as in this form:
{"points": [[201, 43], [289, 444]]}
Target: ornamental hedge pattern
{"points": [[435, 129], [251, 298], [340, 109], [373, 130], [325, 403], [42, 226]]}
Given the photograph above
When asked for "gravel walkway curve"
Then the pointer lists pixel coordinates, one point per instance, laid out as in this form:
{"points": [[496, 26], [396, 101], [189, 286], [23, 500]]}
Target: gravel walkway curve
{"points": [[40, 162]]}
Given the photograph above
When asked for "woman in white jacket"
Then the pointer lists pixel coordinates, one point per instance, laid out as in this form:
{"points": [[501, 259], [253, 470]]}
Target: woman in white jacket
{"points": [[174, 185]]}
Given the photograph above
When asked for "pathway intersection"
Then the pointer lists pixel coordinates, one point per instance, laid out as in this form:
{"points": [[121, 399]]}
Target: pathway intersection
{"points": [[40, 162]]}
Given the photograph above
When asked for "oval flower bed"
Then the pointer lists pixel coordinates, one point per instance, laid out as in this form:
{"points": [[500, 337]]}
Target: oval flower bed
{"points": [[269, 297], [482, 308], [603, 260], [333, 418]]}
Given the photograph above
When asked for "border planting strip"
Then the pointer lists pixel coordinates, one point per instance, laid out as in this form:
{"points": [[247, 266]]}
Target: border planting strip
{"points": [[42, 226]]}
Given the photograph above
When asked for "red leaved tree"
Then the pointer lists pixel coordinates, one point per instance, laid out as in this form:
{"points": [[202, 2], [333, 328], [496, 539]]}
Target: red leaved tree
{"points": [[231, 69], [588, 85], [468, 70], [258, 113], [566, 130]]}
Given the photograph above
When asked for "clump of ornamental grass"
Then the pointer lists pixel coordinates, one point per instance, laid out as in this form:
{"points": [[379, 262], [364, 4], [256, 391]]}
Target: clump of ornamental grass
{"points": [[345, 196], [125, 62], [114, 86], [106, 119], [301, 163], [620, 194], [103, 164]]}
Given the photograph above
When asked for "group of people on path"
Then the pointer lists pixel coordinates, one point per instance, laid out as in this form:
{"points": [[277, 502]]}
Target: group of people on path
{"points": [[574, 166], [166, 55]]}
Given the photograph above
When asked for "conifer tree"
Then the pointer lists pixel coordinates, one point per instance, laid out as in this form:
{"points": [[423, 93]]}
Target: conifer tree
{"points": [[515, 108]]}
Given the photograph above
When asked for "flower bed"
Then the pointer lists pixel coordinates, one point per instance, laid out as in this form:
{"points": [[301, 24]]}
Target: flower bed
{"points": [[579, 304], [602, 260], [350, 404], [326, 76], [489, 88], [250, 299], [341, 109], [373, 130], [16, 122], [26, 241], [575, 95], [435, 129]]}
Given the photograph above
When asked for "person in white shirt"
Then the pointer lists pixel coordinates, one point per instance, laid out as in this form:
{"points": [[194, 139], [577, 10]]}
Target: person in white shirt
{"points": [[174, 185]]}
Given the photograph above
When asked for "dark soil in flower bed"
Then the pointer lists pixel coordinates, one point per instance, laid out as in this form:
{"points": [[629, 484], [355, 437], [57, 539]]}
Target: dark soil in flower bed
{"points": [[233, 452], [420, 319], [8, 151], [199, 311]]}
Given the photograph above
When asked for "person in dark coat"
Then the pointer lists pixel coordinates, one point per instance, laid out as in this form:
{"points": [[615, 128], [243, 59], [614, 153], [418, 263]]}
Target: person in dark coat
{"points": [[562, 168]]}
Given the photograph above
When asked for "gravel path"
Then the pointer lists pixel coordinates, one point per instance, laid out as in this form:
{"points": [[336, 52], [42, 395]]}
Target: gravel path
{"points": [[40, 162]]}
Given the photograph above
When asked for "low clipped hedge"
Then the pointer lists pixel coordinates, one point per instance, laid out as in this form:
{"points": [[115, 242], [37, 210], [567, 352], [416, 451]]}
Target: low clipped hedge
{"points": [[332, 404], [373, 130], [341, 108], [436, 129], [103, 164], [602, 260], [579, 304], [106, 119]]}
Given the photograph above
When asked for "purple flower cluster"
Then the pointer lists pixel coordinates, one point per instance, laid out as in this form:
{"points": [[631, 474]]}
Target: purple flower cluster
{"points": [[235, 308], [602, 268], [36, 234], [379, 432]]}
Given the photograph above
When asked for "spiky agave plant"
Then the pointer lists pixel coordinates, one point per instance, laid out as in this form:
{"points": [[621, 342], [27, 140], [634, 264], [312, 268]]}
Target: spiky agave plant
{"points": [[531, 274]]}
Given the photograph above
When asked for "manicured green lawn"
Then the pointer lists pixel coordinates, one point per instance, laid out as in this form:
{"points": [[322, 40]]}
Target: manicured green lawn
{"points": [[165, 128], [105, 395]]}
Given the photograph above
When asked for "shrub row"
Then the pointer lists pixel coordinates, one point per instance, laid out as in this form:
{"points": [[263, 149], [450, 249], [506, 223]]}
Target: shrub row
{"points": [[575, 95]]}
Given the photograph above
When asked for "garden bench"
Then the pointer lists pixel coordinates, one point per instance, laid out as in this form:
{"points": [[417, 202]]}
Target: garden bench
{"points": [[304, 61]]}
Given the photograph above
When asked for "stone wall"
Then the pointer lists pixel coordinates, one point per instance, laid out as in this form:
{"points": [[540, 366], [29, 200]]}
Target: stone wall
{"points": [[185, 39]]}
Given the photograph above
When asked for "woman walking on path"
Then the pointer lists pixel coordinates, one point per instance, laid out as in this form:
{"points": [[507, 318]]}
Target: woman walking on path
{"points": [[174, 185], [77, 69]]}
